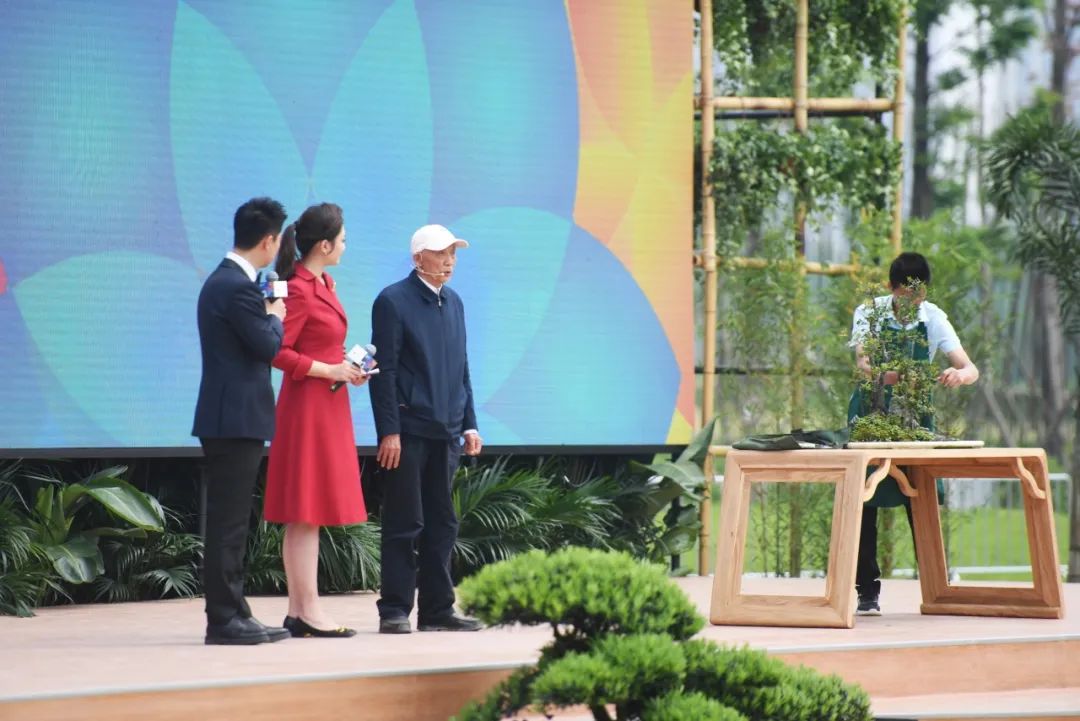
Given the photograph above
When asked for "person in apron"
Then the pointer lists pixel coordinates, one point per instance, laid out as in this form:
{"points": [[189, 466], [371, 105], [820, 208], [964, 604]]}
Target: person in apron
{"points": [[928, 333]]}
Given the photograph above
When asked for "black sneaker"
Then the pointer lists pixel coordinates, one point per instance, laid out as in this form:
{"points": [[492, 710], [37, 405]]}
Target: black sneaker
{"points": [[453, 622], [395, 624], [868, 606]]}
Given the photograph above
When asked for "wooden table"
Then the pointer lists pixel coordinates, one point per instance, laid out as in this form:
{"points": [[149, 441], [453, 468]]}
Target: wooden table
{"points": [[915, 471]]}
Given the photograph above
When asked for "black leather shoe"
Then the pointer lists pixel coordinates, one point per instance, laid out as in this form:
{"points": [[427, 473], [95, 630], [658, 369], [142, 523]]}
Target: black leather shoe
{"points": [[237, 632], [395, 624], [273, 633], [453, 622], [300, 628]]}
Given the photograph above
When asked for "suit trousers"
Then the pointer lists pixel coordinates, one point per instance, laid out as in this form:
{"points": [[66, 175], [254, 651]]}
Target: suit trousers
{"points": [[867, 571], [419, 529], [232, 468]]}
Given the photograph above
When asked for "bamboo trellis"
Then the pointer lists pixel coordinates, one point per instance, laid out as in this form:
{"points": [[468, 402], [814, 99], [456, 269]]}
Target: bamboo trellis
{"points": [[800, 105]]}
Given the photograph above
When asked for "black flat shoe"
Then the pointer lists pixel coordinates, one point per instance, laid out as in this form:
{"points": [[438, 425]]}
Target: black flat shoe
{"points": [[453, 622], [300, 628]]}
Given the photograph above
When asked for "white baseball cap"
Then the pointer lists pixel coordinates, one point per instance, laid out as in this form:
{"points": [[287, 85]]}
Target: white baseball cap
{"points": [[435, 237]]}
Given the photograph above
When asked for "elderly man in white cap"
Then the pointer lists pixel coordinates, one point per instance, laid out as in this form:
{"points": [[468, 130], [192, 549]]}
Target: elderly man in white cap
{"points": [[423, 406]]}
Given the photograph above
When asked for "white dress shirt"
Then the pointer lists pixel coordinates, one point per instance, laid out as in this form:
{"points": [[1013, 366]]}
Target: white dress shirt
{"points": [[244, 265]]}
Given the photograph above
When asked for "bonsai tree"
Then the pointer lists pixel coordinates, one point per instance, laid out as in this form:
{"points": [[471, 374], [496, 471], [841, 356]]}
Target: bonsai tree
{"points": [[622, 646], [896, 399]]}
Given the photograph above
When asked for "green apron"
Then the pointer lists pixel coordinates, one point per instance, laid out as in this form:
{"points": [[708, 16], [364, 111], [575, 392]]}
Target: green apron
{"points": [[888, 492]]}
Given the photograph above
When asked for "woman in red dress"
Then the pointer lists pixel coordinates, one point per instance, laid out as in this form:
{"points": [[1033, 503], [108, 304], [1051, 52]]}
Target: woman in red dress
{"points": [[313, 478]]}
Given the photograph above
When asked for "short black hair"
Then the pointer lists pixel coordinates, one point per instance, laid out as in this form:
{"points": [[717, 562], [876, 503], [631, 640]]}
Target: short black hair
{"points": [[256, 219], [908, 267]]}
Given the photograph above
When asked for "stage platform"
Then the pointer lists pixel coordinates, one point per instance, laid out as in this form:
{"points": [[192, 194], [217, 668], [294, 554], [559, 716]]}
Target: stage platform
{"points": [[147, 661]]}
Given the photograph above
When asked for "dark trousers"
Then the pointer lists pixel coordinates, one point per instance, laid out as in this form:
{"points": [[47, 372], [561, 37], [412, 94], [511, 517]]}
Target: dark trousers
{"points": [[867, 571], [419, 529], [232, 467]]}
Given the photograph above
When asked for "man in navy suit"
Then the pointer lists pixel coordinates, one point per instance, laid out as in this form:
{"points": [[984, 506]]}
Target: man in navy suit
{"points": [[240, 333]]}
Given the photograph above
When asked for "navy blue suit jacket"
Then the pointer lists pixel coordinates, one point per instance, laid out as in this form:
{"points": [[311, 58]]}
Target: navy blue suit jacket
{"points": [[238, 339], [423, 387]]}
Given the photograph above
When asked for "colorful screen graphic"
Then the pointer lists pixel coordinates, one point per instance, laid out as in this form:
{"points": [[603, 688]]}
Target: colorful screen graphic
{"points": [[554, 136]]}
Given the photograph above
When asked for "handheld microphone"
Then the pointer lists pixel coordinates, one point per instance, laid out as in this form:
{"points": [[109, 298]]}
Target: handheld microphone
{"points": [[272, 288], [361, 356]]}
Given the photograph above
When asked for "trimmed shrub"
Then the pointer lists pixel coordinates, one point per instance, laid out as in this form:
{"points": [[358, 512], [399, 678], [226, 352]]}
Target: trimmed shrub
{"points": [[622, 639]]}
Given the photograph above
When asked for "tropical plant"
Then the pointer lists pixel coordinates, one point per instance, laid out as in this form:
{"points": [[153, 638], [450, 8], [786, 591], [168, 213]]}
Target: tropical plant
{"points": [[622, 637], [1033, 179], [648, 509], [25, 572], [349, 558], [59, 511], [673, 488], [264, 566], [161, 565]]}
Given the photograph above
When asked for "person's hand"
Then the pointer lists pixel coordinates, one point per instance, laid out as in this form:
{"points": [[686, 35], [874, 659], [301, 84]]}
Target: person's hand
{"points": [[275, 307], [952, 377], [890, 378], [365, 376], [346, 372], [473, 444], [389, 454]]}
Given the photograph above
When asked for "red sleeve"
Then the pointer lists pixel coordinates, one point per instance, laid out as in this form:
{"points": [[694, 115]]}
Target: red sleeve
{"points": [[288, 359]]}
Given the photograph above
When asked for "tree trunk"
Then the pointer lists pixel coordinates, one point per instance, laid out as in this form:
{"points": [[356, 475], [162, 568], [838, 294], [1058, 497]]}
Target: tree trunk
{"points": [[1074, 496], [922, 186], [1051, 361], [1059, 64]]}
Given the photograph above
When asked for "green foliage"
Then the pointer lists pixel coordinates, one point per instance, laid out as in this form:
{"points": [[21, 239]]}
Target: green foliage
{"points": [[582, 593], [622, 639], [849, 42], [764, 689], [24, 568], [851, 162], [688, 707], [618, 670], [68, 545], [649, 510], [162, 565], [1033, 179], [349, 558], [72, 545], [503, 512], [886, 427], [264, 567]]}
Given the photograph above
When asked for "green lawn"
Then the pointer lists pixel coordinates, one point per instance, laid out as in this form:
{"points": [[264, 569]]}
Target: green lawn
{"points": [[983, 537]]}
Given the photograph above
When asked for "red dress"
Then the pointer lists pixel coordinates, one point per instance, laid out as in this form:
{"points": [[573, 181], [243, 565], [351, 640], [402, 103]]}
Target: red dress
{"points": [[314, 474]]}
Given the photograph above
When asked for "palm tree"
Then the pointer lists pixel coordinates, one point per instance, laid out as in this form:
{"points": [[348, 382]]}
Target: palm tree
{"points": [[1033, 179]]}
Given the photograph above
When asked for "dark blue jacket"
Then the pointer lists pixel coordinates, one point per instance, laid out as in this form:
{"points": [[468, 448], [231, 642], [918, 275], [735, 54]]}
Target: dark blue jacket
{"points": [[238, 339], [423, 387]]}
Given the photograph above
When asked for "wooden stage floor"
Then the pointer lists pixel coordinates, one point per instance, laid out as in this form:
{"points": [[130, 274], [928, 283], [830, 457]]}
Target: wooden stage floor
{"points": [[98, 655]]}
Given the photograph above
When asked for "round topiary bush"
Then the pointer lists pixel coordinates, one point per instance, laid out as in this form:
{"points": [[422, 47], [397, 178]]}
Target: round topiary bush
{"points": [[622, 641]]}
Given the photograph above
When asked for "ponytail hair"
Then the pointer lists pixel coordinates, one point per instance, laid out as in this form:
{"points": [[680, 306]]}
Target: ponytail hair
{"points": [[286, 257], [317, 223]]}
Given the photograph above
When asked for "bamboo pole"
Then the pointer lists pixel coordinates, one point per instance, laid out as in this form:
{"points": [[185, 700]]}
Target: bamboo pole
{"points": [[866, 105], [797, 345], [812, 267], [899, 94], [797, 337], [708, 244]]}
